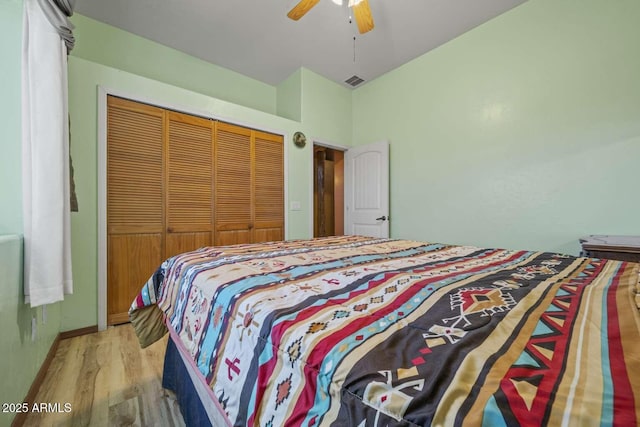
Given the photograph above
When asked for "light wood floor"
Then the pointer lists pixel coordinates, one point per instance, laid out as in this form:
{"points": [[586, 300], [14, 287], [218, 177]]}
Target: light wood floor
{"points": [[109, 381]]}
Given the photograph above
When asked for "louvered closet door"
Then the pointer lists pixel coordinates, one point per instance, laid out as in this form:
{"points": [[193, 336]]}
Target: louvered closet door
{"points": [[134, 201], [233, 180], [189, 183], [269, 187]]}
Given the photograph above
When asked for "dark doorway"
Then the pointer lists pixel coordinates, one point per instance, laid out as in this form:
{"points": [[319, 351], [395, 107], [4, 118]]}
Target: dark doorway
{"points": [[328, 192]]}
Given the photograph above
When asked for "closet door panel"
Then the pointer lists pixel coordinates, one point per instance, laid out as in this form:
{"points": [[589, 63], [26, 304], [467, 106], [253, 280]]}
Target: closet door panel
{"points": [[189, 196], [134, 167], [269, 187], [233, 237], [233, 184], [268, 234], [133, 258], [135, 220], [178, 243]]}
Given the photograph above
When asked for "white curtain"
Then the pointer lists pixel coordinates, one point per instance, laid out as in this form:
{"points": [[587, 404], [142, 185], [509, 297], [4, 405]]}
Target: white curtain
{"points": [[45, 160]]}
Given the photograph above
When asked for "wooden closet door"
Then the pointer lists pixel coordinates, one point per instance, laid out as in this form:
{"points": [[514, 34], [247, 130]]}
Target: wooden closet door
{"points": [[189, 196], [233, 180], [134, 201], [268, 187]]}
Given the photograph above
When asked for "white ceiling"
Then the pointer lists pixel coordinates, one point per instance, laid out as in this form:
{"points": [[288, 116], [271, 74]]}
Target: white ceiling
{"points": [[255, 37]]}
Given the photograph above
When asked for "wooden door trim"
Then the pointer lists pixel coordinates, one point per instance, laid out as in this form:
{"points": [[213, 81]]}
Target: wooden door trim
{"points": [[102, 207]]}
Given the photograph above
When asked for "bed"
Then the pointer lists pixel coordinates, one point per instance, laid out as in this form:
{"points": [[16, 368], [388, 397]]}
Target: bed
{"points": [[357, 331]]}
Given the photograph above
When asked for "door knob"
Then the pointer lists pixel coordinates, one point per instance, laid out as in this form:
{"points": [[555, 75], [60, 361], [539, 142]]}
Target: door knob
{"points": [[382, 218]]}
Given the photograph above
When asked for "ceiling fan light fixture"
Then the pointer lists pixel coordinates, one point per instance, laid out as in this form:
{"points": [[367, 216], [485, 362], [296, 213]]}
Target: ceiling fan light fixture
{"points": [[360, 9]]}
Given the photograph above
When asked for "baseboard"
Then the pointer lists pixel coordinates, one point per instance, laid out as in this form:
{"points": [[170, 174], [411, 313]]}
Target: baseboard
{"points": [[78, 332], [21, 417]]}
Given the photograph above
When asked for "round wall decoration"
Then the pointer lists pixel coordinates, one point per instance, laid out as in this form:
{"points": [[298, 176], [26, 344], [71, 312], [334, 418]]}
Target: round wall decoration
{"points": [[299, 139]]}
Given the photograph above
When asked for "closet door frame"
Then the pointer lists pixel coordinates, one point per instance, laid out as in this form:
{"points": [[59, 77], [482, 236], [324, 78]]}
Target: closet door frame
{"points": [[103, 93]]}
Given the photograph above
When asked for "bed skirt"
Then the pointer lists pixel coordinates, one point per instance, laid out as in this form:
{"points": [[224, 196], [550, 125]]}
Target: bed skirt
{"points": [[181, 377]]}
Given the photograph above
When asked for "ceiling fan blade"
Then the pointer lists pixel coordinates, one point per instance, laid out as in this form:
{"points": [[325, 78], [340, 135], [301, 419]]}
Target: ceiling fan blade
{"points": [[301, 8], [364, 19]]}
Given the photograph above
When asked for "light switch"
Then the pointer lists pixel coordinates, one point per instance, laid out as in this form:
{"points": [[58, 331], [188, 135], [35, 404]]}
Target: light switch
{"points": [[295, 206]]}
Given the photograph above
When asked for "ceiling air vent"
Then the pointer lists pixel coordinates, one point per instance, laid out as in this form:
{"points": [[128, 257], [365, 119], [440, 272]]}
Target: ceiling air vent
{"points": [[354, 81]]}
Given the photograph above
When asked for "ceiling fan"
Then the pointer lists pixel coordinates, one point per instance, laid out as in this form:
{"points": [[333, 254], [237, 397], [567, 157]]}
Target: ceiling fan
{"points": [[361, 11]]}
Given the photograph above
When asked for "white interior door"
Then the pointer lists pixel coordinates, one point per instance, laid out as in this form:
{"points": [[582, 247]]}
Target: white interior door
{"points": [[366, 190]]}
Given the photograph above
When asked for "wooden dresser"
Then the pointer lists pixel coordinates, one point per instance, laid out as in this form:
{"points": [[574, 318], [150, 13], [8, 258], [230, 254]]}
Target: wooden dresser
{"points": [[623, 248]]}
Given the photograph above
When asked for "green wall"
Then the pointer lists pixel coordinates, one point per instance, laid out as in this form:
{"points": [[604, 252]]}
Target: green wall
{"points": [[326, 109], [289, 97], [320, 104], [522, 133], [107, 45], [20, 356], [10, 131]]}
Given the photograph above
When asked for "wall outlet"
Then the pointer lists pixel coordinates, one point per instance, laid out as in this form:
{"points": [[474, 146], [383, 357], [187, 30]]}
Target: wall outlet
{"points": [[34, 327]]}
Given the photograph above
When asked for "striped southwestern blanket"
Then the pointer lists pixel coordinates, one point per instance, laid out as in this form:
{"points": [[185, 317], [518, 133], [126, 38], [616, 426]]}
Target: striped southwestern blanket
{"points": [[355, 331]]}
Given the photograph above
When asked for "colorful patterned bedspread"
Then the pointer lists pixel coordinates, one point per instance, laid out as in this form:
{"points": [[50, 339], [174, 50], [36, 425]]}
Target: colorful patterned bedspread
{"points": [[354, 331]]}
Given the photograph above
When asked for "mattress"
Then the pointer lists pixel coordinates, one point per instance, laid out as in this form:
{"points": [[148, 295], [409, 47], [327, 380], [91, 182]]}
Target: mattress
{"points": [[370, 332]]}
